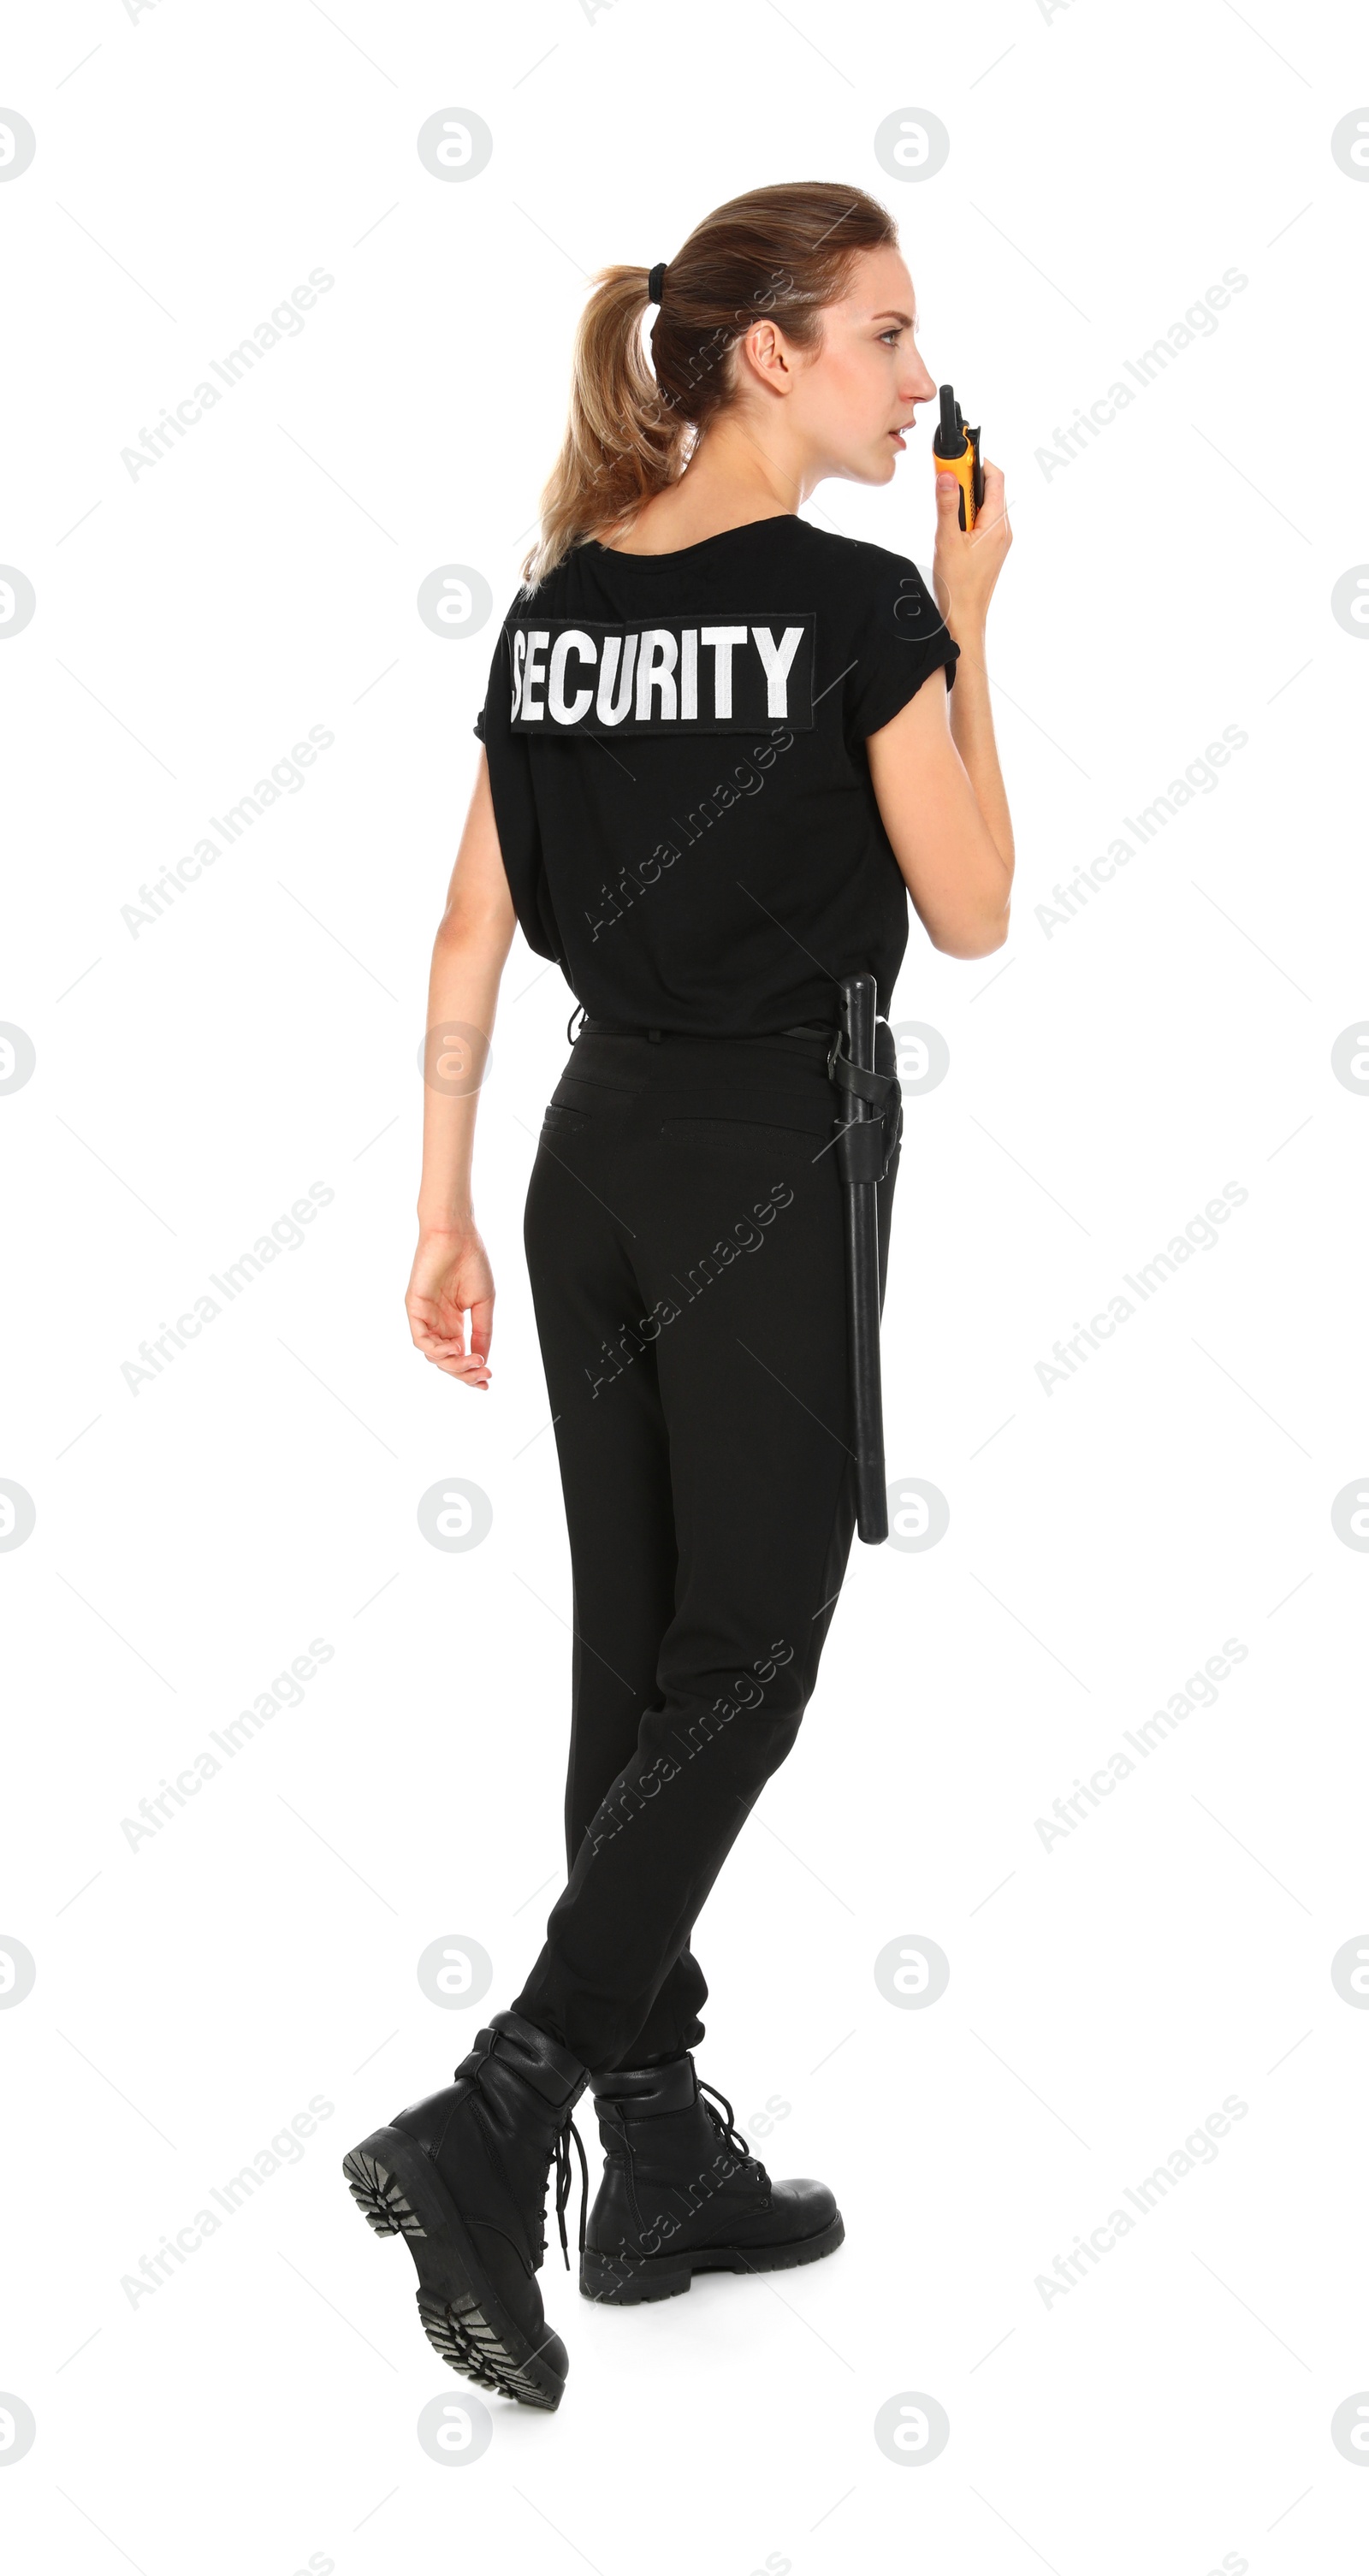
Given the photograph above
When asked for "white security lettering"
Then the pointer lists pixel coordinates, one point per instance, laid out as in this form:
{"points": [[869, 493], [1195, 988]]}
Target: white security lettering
{"points": [[655, 666], [570, 641], [689, 674], [720, 640], [531, 708], [776, 660], [591, 675], [611, 711]]}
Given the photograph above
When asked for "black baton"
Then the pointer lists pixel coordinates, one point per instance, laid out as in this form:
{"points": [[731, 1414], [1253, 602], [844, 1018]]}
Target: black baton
{"points": [[870, 1118]]}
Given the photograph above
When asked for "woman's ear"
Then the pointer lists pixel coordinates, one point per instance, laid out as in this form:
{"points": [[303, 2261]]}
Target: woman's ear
{"points": [[767, 353]]}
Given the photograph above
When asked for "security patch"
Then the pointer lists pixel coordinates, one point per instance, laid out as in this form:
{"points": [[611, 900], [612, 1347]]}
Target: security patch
{"points": [[729, 676]]}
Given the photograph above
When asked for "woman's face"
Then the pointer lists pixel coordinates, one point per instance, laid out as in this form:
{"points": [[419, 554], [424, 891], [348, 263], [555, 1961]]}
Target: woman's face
{"points": [[852, 396]]}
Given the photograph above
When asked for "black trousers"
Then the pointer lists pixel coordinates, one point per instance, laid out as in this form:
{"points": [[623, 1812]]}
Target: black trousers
{"points": [[685, 1244]]}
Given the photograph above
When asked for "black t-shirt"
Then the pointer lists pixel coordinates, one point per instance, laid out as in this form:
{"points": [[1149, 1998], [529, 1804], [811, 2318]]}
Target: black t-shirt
{"points": [[676, 747]]}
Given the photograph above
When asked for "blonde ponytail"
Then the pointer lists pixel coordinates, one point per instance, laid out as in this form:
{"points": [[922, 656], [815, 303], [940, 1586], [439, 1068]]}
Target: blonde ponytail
{"points": [[785, 252], [623, 442]]}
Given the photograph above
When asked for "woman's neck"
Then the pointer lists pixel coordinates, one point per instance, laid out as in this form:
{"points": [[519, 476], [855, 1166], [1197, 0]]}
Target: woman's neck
{"points": [[729, 481]]}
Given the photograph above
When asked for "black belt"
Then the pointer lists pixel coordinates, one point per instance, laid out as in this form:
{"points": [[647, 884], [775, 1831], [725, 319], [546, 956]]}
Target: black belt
{"points": [[589, 1028]]}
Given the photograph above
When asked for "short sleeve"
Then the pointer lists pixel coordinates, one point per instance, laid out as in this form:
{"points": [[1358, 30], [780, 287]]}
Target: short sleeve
{"points": [[899, 639], [516, 816], [486, 727]]}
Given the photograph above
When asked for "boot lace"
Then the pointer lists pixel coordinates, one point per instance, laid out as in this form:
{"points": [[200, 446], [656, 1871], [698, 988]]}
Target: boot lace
{"points": [[726, 2127], [564, 2181]]}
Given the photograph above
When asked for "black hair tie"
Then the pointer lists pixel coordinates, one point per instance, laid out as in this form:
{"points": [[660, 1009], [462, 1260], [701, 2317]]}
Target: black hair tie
{"points": [[655, 285]]}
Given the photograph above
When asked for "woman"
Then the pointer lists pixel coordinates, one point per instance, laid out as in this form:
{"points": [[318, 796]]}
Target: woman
{"points": [[721, 747]]}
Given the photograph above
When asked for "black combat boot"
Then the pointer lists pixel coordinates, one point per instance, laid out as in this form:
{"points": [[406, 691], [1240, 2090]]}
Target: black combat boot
{"points": [[681, 2194], [462, 2177]]}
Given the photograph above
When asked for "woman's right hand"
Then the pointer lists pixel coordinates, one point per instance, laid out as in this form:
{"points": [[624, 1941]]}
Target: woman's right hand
{"points": [[451, 1275], [968, 561]]}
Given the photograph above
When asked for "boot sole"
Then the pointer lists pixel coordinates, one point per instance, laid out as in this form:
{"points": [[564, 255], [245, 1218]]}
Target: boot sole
{"points": [[629, 2280], [400, 2193]]}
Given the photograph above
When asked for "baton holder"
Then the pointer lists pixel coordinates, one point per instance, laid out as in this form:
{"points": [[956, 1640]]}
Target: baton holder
{"points": [[869, 1116]]}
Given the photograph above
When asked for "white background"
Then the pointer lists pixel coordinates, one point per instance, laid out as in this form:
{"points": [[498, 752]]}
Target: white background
{"points": [[1172, 2410]]}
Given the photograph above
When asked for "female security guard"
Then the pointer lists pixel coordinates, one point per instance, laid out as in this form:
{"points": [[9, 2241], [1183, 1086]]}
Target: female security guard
{"points": [[720, 749]]}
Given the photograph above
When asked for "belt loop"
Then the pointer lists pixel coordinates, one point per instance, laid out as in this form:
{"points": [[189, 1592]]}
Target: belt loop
{"points": [[655, 1036], [572, 1033]]}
